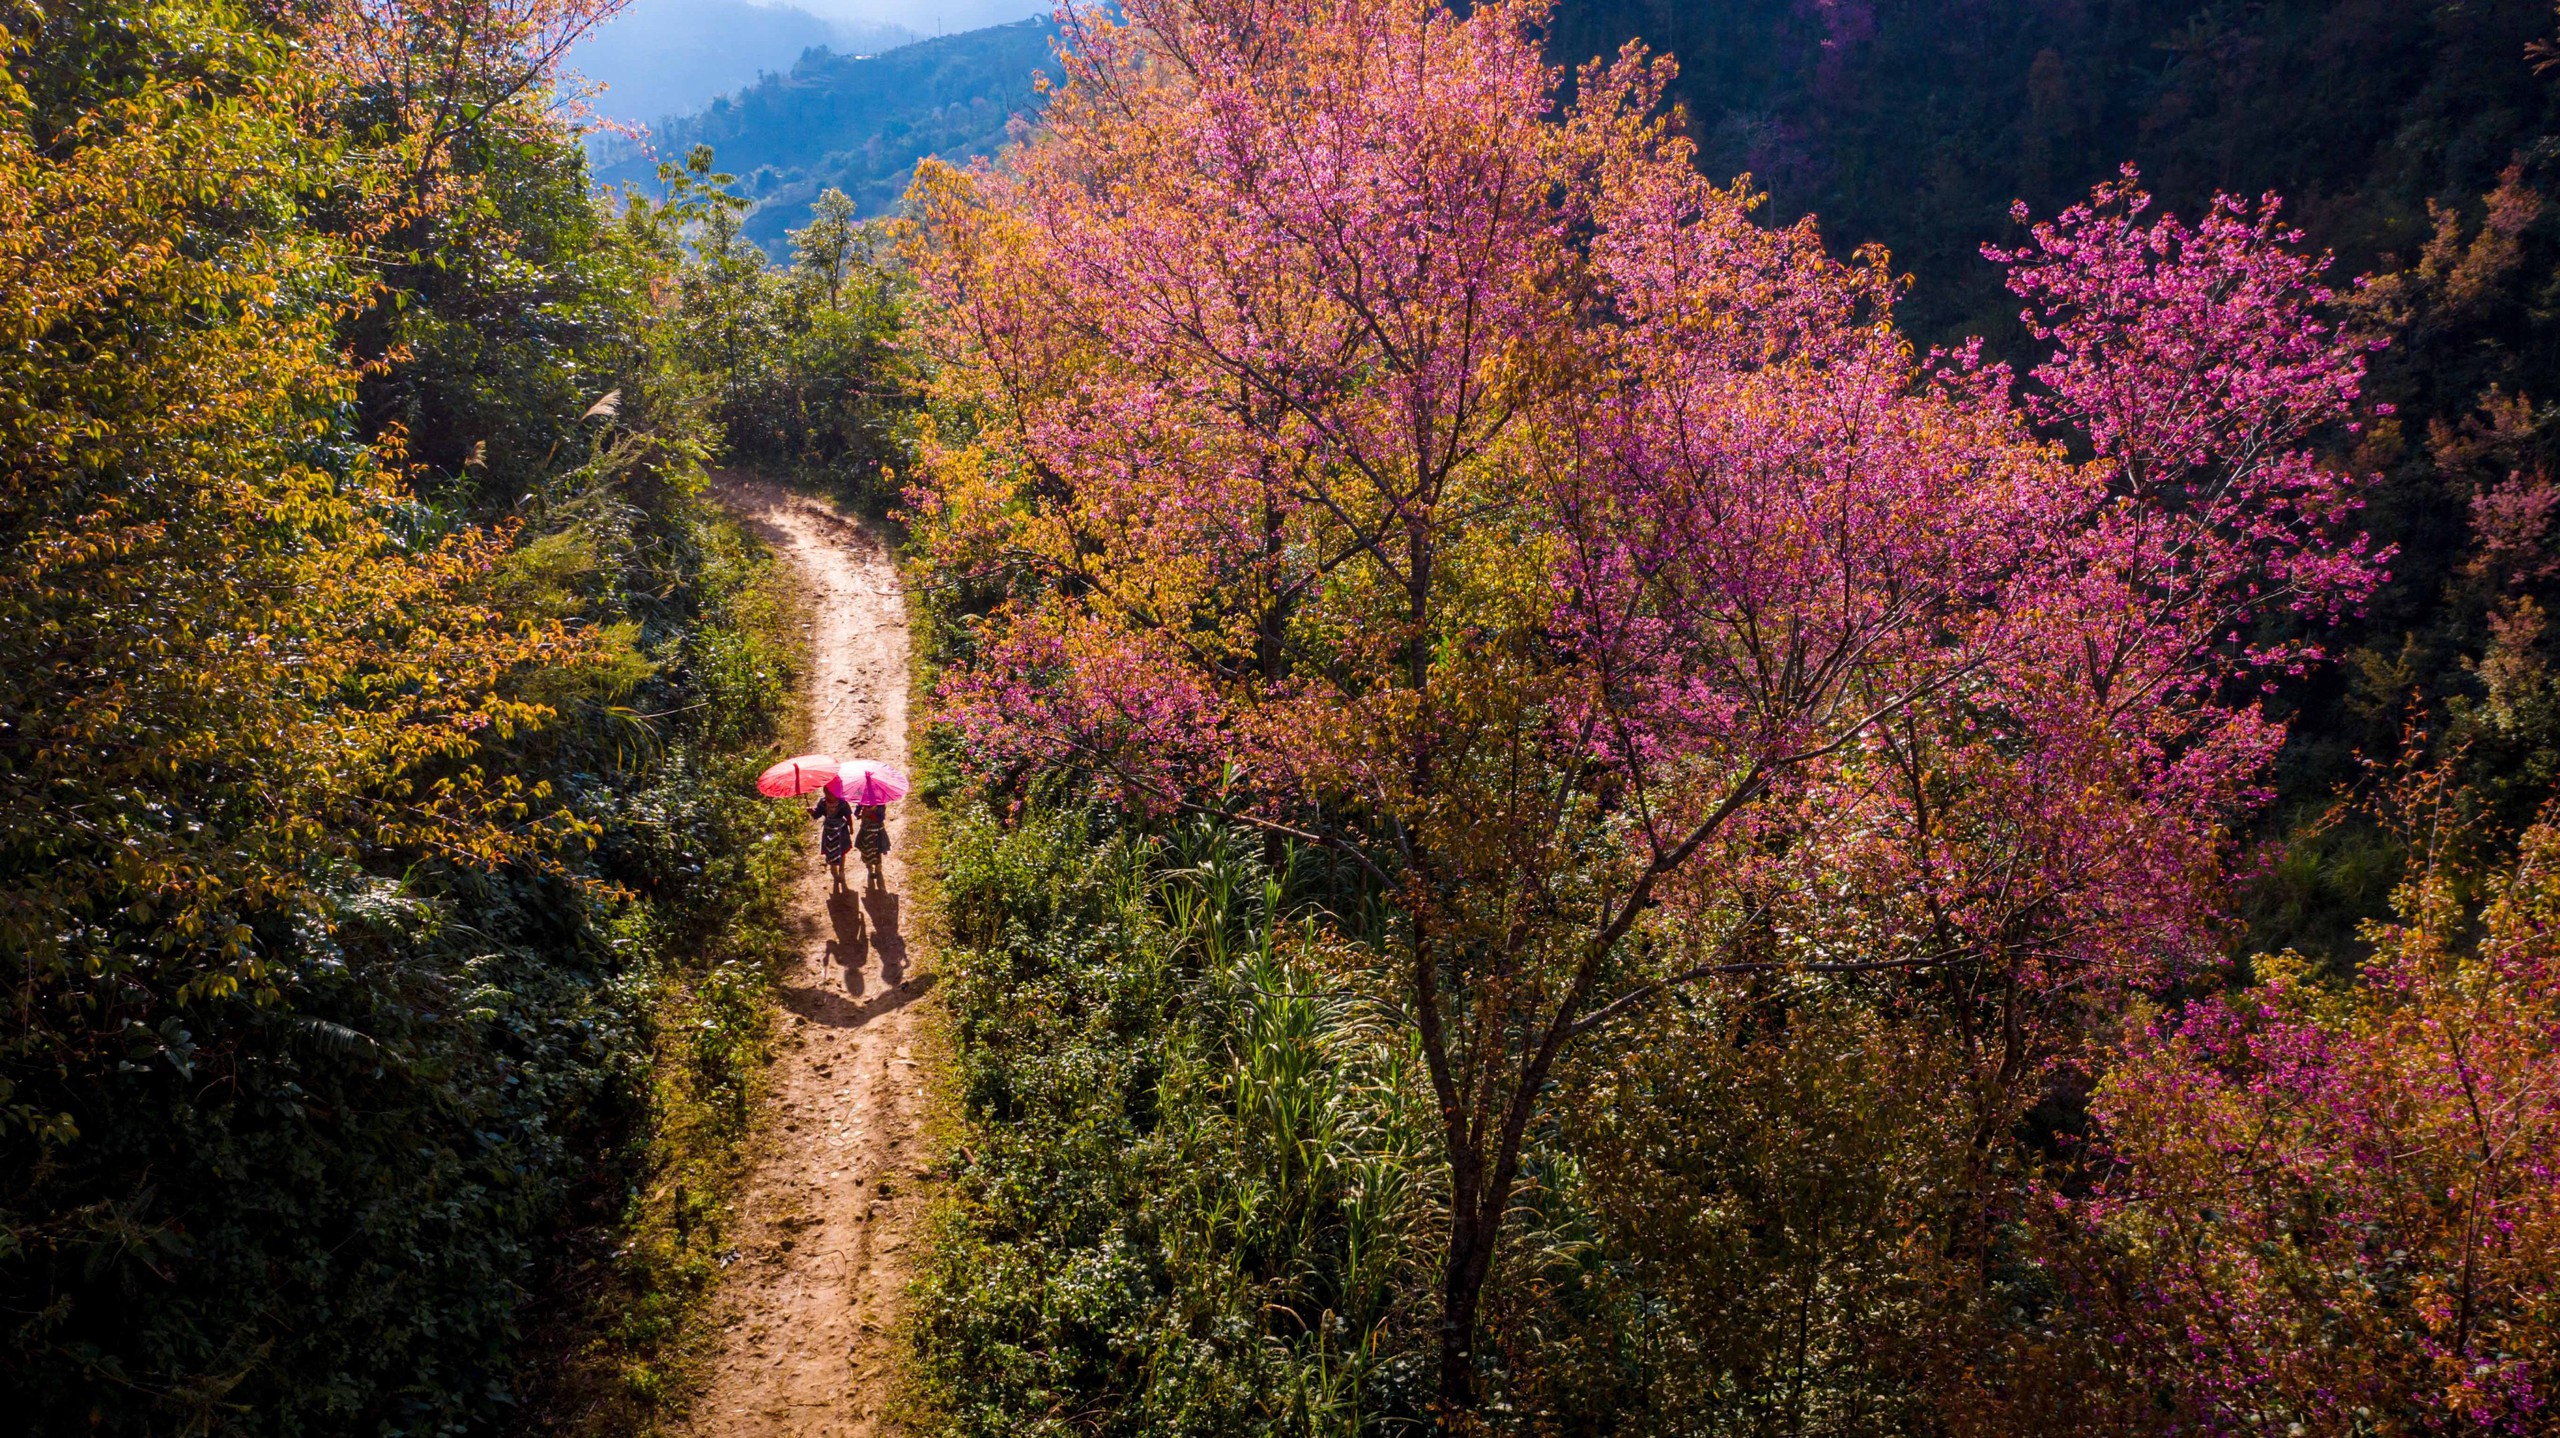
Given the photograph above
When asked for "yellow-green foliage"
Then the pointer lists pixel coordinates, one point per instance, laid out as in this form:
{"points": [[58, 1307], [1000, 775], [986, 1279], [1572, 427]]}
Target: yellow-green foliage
{"points": [[387, 908]]}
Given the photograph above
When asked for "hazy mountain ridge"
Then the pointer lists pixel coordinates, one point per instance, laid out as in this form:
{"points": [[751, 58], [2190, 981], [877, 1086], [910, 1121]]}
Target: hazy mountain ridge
{"points": [[665, 58], [859, 123]]}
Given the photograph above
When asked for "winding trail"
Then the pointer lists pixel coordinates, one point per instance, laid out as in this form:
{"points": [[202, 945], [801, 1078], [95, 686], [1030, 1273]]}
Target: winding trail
{"points": [[826, 1221]]}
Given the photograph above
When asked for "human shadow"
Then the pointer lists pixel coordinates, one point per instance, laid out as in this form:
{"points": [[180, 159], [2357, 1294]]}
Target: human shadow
{"points": [[882, 905], [842, 1011], [847, 945]]}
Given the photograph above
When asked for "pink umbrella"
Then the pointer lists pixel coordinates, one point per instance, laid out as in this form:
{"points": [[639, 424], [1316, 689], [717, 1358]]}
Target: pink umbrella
{"points": [[868, 781], [798, 775]]}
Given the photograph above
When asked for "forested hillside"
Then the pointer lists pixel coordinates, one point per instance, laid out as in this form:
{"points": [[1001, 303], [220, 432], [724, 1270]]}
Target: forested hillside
{"points": [[1916, 123], [859, 124], [664, 58]]}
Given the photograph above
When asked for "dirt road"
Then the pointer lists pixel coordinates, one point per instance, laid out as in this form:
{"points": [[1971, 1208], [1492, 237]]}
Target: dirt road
{"points": [[829, 1214]]}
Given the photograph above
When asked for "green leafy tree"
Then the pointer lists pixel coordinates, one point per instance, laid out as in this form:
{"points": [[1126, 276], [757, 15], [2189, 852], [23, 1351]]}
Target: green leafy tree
{"points": [[381, 882]]}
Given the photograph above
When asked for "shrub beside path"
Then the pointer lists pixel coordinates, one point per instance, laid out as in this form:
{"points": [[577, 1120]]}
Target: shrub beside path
{"points": [[833, 1202]]}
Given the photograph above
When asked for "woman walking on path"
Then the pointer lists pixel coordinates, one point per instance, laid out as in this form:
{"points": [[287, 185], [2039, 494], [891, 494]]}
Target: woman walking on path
{"points": [[835, 840], [873, 841]]}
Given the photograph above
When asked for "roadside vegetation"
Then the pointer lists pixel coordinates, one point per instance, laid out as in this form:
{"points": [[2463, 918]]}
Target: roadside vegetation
{"points": [[390, 917]]}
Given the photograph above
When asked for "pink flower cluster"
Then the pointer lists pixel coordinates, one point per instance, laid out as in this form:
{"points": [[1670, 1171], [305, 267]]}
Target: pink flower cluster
{"points": [[2341, 1207], [1322, 357]]}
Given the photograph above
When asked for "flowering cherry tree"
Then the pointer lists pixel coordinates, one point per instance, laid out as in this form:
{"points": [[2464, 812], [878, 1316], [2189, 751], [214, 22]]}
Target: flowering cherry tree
{"points": [[2338, 1207], [1369, 447]]}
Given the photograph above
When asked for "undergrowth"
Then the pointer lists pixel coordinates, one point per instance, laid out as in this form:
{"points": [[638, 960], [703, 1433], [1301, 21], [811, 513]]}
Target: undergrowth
{"points": [[701, 943], [1193, 1172]]}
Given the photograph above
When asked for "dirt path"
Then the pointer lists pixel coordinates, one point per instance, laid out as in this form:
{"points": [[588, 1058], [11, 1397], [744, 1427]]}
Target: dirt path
{"points": [[829, 1214]]}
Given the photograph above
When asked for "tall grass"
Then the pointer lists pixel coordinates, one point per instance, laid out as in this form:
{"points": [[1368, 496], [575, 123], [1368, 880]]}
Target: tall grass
{"points": [[1197, 1162]]}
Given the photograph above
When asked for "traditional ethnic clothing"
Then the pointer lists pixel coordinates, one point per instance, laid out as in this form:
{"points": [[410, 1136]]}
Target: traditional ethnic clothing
{"points": [[836, 838], [873, 841]]}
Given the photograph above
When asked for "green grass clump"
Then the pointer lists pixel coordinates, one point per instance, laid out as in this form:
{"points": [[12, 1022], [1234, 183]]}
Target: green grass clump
{"points": [[1193, 1163]]}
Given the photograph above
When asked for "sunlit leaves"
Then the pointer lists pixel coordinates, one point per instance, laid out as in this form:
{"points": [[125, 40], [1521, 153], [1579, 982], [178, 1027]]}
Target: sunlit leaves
{"points": [[232, 655]]}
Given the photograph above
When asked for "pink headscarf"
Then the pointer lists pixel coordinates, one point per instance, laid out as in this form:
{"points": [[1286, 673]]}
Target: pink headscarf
{"points": [[835, 789]]}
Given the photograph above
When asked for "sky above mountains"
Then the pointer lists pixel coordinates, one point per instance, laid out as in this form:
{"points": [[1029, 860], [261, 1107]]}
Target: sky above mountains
{"points": [[925, 17]]}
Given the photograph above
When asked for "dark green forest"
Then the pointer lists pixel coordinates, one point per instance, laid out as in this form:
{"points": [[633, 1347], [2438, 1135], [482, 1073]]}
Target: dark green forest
{"points": [[1917, 123]]}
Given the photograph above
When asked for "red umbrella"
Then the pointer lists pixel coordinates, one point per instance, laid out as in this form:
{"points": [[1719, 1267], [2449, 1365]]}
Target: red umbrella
{"points": [[868, 781], [798, 775]]}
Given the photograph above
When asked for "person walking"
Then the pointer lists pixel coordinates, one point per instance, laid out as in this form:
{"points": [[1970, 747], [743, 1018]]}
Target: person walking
{"points": [[872, 840], [835, 838]]}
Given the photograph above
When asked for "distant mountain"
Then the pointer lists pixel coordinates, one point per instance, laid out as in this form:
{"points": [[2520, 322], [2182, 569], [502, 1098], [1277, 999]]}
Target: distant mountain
{"points": [[859, 123], [670, 57]]}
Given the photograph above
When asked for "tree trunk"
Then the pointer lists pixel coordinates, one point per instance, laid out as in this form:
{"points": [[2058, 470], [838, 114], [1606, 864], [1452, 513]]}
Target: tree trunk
{"points": [[1461, 1291]]}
